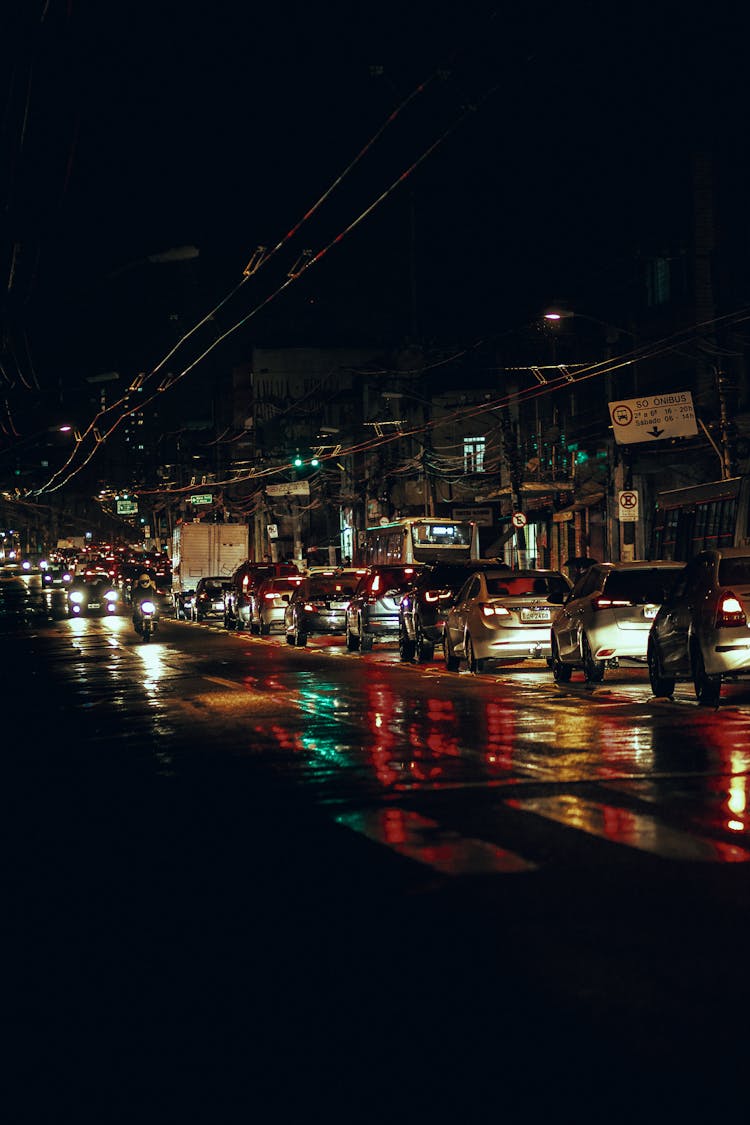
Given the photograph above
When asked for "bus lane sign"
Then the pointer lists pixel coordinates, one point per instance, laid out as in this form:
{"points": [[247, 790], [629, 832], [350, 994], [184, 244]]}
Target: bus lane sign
{"points": [[655, 418]]}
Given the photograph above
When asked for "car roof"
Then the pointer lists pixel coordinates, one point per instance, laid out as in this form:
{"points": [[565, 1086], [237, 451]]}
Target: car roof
{"points": [[641, 564]]}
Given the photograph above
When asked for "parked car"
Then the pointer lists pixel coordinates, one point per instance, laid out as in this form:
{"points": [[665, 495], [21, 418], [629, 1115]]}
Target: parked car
{"points": [[318, 605], [373, 611], [502, 614], [268, 603], [701, 630], [607, 616], [423, 608], [208, 599], [241, 586]]}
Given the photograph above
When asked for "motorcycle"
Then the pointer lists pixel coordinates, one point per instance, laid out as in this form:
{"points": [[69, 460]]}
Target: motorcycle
{"points": [[145, 618]]}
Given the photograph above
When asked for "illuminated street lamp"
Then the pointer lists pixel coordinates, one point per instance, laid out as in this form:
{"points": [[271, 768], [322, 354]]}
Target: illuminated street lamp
{"points": [[556, 314]]}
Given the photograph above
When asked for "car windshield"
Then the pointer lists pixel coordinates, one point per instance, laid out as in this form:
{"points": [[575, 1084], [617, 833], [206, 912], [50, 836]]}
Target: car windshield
{"points": [[642, 587], [539, 586], [735, 572]]}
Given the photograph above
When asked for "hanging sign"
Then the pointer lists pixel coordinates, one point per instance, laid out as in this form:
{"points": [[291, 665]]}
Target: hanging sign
{"points": [[655, 418]]}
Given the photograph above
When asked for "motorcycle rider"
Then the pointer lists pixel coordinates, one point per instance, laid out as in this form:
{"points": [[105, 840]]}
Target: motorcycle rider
{"points": [[145, 588]]}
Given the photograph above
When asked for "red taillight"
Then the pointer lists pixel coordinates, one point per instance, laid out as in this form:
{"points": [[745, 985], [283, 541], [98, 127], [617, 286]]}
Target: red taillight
{"points": [[489, 610], [609, 603], [436, 595], [730, 612]]}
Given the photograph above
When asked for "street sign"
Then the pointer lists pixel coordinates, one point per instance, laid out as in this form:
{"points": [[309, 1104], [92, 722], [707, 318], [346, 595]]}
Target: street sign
{"points": [[273, 531], [518, 519], [627, 505], [127, 508], [202, 498], [653, 419], [290, 488]]}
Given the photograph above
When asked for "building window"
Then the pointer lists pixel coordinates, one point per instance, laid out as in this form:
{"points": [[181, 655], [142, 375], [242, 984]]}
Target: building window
{"points": [[658, 281], [473, 454]]}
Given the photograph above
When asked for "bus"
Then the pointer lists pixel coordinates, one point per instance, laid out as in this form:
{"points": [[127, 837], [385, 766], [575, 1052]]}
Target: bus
{"points": [[420, 539], [688, 520]]}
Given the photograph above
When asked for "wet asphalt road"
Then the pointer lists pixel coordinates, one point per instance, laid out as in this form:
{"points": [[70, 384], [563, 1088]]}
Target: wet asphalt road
{"points": [[191, 932]]}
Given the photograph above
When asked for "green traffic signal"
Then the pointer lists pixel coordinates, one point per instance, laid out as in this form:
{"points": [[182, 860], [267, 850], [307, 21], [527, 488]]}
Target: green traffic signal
{"points": [[299, 462]]}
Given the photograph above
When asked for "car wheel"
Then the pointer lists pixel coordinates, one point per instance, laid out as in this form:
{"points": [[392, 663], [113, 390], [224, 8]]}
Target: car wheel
{"points": [[300, 638], [423, 649], [290, 638], [561, 673], [452, 663], [707, 688], [263, 628], [476, 666], [660, 684], [593, 669], [227, 621], [366, 642], [352, 641], [405, 644]]}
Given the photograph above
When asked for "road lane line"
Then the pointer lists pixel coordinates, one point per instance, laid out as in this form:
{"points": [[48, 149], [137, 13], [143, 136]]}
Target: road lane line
{"points": [[425, 841], [634, 830]]}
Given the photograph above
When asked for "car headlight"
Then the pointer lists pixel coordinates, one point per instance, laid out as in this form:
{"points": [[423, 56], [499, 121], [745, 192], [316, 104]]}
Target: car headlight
{"points": [[76, 596]]}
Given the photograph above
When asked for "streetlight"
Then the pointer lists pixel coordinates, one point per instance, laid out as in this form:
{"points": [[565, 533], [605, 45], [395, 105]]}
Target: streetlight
{"points": [[556, 314]]}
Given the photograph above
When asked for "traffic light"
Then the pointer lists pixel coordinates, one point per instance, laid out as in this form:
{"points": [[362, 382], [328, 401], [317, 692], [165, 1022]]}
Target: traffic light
{"points": [[308, 461]]}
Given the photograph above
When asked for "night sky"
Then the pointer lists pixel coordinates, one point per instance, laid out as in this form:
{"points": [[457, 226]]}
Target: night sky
{"points": [[132, 129]]}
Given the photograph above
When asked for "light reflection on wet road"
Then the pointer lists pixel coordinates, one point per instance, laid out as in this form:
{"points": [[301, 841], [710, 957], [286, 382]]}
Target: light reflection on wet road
{"points": [[365, 734], [224, 824]]}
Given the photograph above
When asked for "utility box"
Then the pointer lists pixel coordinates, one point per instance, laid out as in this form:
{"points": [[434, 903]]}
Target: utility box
{"points": [[204, 550]]}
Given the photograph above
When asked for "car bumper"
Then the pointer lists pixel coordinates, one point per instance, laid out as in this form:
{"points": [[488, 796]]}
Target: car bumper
{"points": [[324, 624], [608, 644], [513, 644], [727, 654]]}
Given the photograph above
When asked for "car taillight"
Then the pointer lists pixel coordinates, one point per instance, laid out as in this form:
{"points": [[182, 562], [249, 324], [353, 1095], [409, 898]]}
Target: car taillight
{"points": [[494, 610], [436, 595], [609, 603], [730, 612]]}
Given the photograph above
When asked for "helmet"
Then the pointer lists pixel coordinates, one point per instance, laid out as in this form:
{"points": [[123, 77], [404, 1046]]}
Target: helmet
{"points": [[144, 581]]}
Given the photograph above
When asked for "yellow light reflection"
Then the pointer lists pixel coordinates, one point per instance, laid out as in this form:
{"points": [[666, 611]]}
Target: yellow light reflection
{"points": [[152, 656]]}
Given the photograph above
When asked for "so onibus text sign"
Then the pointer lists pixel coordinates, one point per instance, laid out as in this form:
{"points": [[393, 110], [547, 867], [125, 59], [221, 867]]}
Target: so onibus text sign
{"points": [[655, 418]]}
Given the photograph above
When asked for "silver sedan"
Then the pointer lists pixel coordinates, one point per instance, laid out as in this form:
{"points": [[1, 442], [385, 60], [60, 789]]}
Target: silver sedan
{"points": [[608, 615], [502, 615], [701, 633]]}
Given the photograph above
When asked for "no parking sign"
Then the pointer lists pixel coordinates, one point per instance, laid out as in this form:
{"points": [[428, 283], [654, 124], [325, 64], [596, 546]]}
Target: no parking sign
{"points": [[627, 505], [518, 519]]}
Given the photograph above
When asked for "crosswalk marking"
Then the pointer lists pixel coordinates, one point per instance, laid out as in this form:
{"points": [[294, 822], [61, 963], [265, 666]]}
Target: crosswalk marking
{"points": [[636, 830], [428, 842]]}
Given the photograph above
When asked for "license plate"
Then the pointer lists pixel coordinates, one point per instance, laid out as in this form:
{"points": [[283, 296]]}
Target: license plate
{"points": [[339, 605], [534, 615], [94, 605]]}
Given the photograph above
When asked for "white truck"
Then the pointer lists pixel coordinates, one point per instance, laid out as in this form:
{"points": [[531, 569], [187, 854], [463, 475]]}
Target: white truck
{"points": [[204, 550]]}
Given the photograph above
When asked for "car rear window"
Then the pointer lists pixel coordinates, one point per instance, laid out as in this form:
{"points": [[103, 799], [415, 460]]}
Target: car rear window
{"points": [[642, 587], [735, 572], [327, 587], [527, 586], [393, 579]]}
